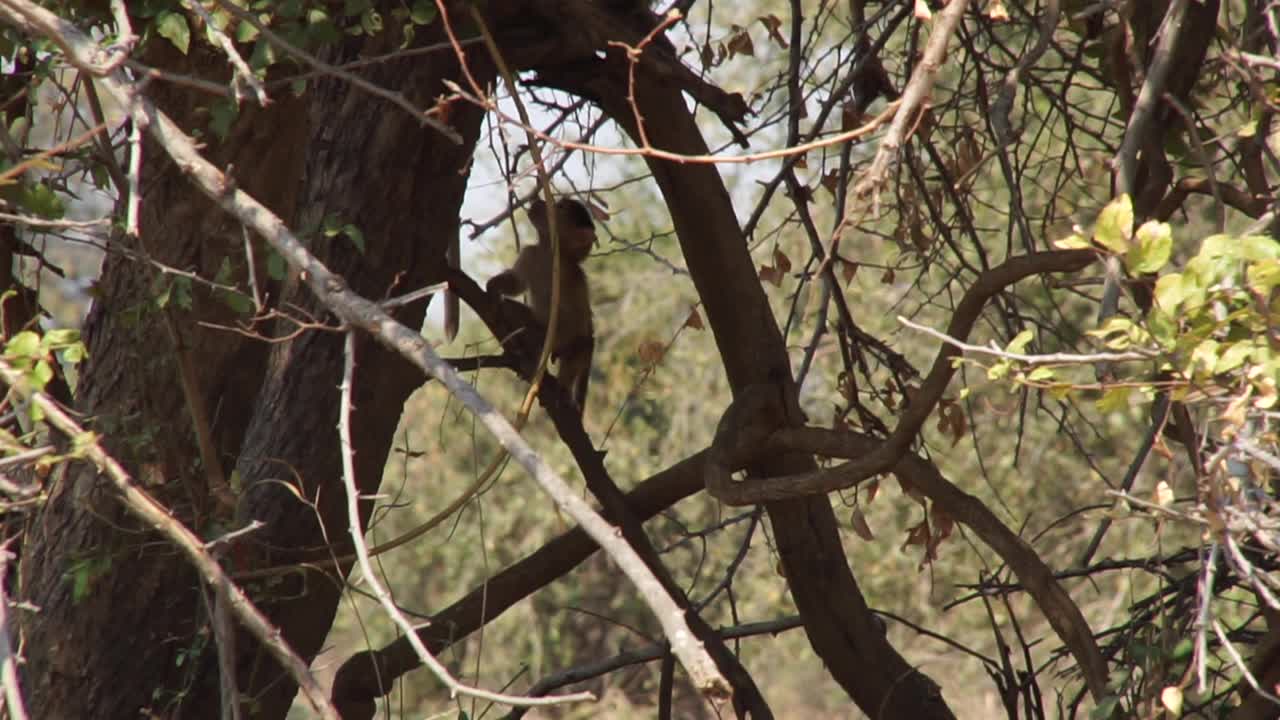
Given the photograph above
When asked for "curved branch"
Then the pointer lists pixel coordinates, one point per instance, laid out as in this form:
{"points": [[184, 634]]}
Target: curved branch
{"points": [[892, 449], [1058, 607]]}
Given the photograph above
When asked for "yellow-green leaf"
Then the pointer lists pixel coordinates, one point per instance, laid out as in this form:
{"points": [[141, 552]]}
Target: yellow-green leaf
{"points": [[1071, 242], [1020, 342], [1263, 276], [998, 371], [173, 27], [1114, 228], [1114, 399], [1169, 292], [1205, 355], [1041, 374], [1152, 249], [1171, 698], [1233, 357], [1258, 247], [25, 344]]}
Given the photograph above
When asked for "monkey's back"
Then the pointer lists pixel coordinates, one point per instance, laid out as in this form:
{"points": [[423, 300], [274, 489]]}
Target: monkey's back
{"points": [[574, 322]]}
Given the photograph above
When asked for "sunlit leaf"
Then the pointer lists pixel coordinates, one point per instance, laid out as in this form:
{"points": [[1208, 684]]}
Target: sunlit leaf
{"points": [[1071, 242], [1150, 252], [1114, 229], [1171, 698], [173, 27], [1020, 342]]}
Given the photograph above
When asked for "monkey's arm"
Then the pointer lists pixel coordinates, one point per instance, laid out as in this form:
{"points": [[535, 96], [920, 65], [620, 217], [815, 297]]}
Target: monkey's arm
{"points": [[513, 281]]}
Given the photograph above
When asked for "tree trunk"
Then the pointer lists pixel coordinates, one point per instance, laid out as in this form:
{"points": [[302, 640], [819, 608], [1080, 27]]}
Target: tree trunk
{"points": [[123, 626]]}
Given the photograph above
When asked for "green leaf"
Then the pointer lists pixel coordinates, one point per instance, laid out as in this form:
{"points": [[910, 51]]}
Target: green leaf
{"points": [[1259, 247], [41, 375], [25, 344], [163, 297], [1105, 708], [75, 353], [264, 55], [1114, 399], [173, 27], [999, 370], [246, 33], [1041, 374], [223, 276], [1263, 276], [1020, 342], [41, 200], [423, 12], [222, 115], [239, 303], [1233, 357], [357, 238], [1163, 328], [1114, 228], [81, 578], [1205, 354], [1152, 249], [1072, 242], [371, 22], [331, 226], [1169, 292], [182, 292], [60, 336]]}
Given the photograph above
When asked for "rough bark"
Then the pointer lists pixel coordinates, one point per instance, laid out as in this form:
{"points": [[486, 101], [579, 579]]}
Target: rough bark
{"points": [[402, 185], [140, 639], [115, 650]]}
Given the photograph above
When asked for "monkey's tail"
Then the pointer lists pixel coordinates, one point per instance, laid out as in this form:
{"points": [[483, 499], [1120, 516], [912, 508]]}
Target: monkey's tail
{"points": [[451, 310]]}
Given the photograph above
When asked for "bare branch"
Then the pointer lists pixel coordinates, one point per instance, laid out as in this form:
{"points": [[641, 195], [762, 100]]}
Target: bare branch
{"points": [[366, 315], [150, 511]]}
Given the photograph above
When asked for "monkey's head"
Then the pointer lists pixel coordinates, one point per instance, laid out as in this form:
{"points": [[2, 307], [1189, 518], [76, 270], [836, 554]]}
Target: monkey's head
{"points": [[573, 220]]}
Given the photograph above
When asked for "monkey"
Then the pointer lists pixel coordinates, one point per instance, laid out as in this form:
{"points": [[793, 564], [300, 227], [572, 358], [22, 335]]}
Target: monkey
{"points": [[574, 341]]}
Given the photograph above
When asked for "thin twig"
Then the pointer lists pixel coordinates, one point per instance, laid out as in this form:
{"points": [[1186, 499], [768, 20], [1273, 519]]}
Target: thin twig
{"points": [[916, 95], [150, 511], [362, 313], [1035, 360], [134, 203], [8, 660], [242, 75], [370, 575]]}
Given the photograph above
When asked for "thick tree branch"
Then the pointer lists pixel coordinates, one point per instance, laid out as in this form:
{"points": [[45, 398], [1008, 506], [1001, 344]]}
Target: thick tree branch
{"points": [[369, 675], [922, 403], [1054, 601], [366, 315]]}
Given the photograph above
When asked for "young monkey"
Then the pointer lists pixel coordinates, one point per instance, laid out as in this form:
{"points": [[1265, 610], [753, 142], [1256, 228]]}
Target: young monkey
{"points": [[574, 341]]}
